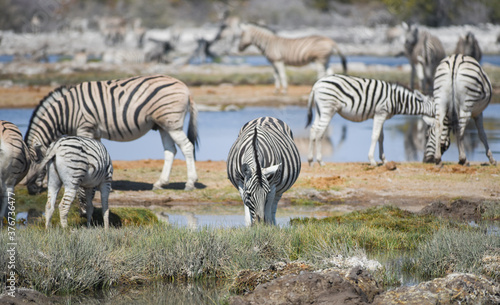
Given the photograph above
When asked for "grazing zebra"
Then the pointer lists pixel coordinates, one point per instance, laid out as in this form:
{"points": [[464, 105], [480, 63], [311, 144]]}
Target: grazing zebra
{"points": [[14, 162], [262, 164], [76, 162], [119, 110], [461, 90], [430, 145], [424, 51], [282, 51], [358, 99], [468, 45]]}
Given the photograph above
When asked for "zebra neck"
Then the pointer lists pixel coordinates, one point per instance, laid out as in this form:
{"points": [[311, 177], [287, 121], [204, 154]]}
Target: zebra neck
{"points": [[261, 39], [407, 102], [49, 120]]}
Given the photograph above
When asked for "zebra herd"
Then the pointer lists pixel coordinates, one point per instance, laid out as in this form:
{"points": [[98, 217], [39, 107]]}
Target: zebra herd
{"points": [[63, 136]]}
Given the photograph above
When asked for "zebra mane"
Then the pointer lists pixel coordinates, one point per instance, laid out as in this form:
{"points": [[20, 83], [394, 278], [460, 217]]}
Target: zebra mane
{"points": [[258, 169], [262, 27], [48, 99]]}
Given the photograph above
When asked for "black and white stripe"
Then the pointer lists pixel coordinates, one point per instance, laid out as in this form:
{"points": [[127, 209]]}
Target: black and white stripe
{"points": [[14, 162], [281, 51], [262, 164], [462, 90], [358, 99], [424, 51], [76, 162], [120, 110]]}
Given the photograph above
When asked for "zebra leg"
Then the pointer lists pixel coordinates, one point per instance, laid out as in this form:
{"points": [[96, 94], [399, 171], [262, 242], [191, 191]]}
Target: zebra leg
{"points": [[105, 189], [462, 159], [321, 69], [280, 67], [187, 148], [438, 130], [378, 124], [277, 82], [70, 191], [169, 152], [248, 216], [89, 207], [53, 186], [269, 207], [274, 207], [381, 146], [482, 136]]}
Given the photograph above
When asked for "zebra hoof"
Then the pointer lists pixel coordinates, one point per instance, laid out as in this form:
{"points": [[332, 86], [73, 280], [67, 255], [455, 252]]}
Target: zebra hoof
{"points": [[321, 163], [159, 186], [189, 187]]}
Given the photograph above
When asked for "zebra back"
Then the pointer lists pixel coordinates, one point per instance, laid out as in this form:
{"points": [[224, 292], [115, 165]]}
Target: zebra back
{"points": [[358, 99], [268, 141]]}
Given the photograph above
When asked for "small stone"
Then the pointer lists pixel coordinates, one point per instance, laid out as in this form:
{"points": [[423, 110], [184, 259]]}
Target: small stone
{"points": [[390, 165]]}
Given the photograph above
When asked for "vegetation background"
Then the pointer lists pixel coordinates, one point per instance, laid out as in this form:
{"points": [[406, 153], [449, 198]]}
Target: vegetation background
{"points": [[57, 14]]}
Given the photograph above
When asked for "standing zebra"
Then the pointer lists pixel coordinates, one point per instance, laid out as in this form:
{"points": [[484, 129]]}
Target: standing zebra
{"points": [[14, 162], [76, 162], [282, 51], [119, 110], [358, 99], [461, 90], [424, 51], [262, 164], [468, 45]]}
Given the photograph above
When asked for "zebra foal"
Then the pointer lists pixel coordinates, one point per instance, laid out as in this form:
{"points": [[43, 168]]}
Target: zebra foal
{"points": [[462, 90], [281, 51], [358, 99], [76, 162], [262, 164], [119, 110], [14, 161]]}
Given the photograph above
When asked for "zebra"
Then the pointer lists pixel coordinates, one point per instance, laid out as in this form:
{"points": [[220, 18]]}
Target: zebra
{"points": [[358, 99], [424, 51], [461, 90], [119, 110], [77, 163], [296, 52], [14, 162], [262, 164], [468, 45]]}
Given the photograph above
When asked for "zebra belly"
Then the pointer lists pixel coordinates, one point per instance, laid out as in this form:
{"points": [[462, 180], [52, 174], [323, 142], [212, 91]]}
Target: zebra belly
{"points": [[125, 135], [353, 116]]}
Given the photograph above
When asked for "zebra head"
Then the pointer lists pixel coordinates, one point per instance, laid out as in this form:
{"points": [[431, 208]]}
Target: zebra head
{"points": [[34, 179], [411, 37], [259, 183], [245, 38]]}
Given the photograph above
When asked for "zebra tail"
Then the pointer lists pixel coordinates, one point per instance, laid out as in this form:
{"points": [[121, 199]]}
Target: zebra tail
{"points": [[454, 106], [37, 168], [310, 106], [193, 125]]}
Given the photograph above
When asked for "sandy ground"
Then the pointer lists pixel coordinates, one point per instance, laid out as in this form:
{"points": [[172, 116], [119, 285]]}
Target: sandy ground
{"points": [[335, 187]]}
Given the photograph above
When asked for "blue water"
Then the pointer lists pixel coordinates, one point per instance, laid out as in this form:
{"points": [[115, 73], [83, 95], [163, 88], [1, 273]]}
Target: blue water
{"points": [[346, 142]]}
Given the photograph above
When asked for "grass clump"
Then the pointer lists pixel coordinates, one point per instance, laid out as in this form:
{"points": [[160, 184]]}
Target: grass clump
{"points": [[383, 228], [456, 251]]}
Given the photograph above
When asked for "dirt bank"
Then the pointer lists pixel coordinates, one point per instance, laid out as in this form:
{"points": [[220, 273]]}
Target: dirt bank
{"points": [[335, 187]]}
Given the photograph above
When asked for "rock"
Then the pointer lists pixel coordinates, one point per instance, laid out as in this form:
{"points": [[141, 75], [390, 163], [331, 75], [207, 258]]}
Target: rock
{"points": [[456, 288], [390, 166], [305, 288], [458, 209]]}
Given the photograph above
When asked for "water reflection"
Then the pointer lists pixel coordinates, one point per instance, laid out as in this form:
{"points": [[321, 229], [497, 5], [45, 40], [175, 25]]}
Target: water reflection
{"points": [[346, 141], [209, 292]]}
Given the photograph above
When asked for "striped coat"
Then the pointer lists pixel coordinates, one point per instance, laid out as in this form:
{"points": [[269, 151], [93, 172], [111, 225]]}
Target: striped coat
{"points": [[281, 51], [75, 162], [462, 90], [262, 164], [119, 110], [14, 162], [358, 99]]}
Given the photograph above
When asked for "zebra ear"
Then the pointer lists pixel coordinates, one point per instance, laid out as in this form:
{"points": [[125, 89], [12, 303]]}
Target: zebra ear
{"points": [[247, 172], [271, 170]]}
